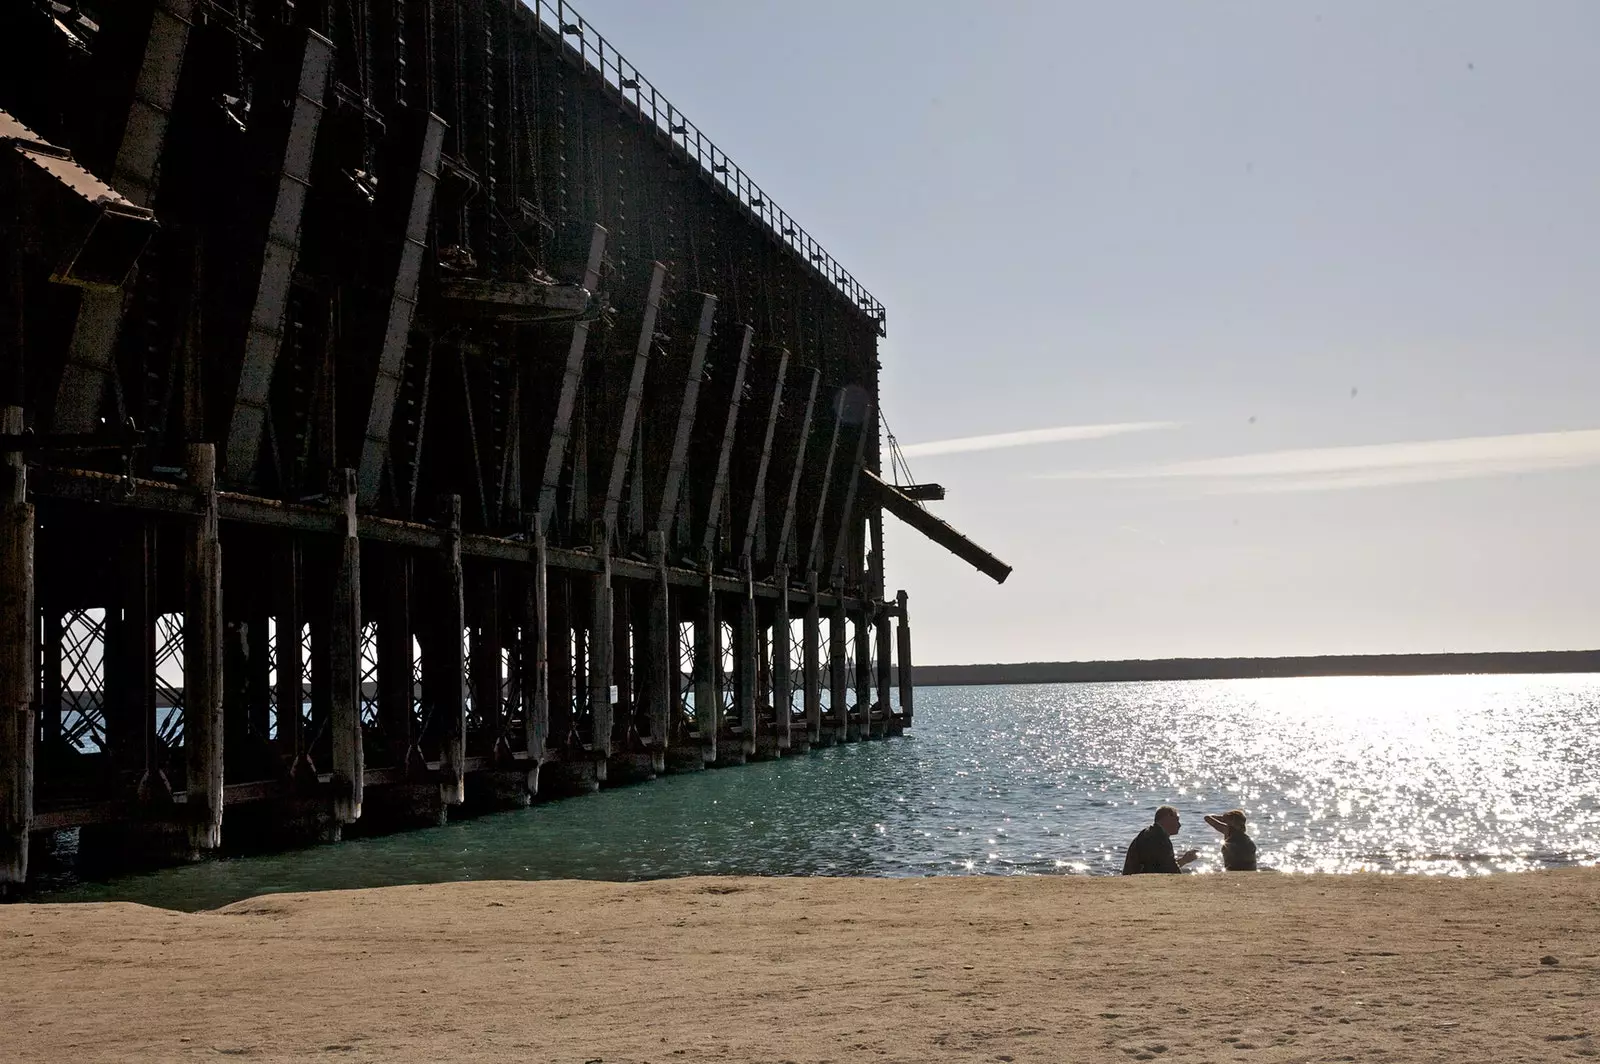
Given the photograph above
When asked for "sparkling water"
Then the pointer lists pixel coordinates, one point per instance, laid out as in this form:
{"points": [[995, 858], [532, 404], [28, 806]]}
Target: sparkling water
{"points": [[1454, 775]]}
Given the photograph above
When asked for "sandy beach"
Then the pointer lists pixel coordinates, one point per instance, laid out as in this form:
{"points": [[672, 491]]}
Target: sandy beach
{"points": [[1248, 968]]}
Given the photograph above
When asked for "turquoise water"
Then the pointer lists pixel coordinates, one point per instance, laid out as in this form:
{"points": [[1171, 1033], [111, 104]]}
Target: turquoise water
{"points": [[1455, 775]]}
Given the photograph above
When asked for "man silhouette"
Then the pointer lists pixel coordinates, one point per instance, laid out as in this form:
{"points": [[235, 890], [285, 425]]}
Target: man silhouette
{"points": [[1151, 849]]}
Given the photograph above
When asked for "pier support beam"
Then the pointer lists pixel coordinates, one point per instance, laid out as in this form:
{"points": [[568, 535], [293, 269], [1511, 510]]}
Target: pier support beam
{"points": [[396, 681], [660, 659], [536, 657], [707, 681], [449, 682], [885, 626], [344, 664], [782, 681], [16, 660], [812, 641], [202, 659], [907, 688], [746, 652], [863, 633], [600, 655], [838, 656]]}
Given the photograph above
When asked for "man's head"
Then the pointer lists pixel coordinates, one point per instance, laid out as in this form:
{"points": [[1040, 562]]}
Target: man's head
{"points": [[1167, 817]]}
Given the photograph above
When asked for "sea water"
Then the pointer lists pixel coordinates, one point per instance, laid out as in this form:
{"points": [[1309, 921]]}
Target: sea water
{"points": [[1445, 775]]}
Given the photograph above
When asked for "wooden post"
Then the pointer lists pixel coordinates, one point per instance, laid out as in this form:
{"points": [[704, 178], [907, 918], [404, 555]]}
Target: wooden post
{"points": [[838, 651], [202, 658], [707, 666], [782, 683], [451, 684], [813, 660], [488, 700], [536, 656], [558, 654], [396, 680], [863, 626], [344, 664], [745, 654], [624, 727], [907, 688], [885, 625], [290, 667], [600, 664], [16, 660], [661, 660]]}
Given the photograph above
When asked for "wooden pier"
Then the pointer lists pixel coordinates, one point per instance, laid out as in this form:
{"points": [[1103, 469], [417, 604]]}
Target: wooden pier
{"points": [[404, 407]]}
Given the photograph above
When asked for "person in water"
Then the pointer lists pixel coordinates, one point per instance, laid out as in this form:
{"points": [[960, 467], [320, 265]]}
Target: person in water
{"points": [[1238, 849], [1151, 849]]}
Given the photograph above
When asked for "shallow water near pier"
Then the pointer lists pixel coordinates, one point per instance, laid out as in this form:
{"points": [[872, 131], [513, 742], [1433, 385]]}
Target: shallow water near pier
{"points": [[1454, 775]]}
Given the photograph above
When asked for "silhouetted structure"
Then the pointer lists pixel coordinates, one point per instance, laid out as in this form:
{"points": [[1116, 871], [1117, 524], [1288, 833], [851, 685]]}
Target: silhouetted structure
{"points": [[400, 397]]}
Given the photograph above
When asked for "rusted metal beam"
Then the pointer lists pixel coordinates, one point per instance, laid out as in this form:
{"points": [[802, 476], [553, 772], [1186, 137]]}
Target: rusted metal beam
{"points": [[571, 380], [719, 483], [758, 489], [135, 175], [264, 334], [686, 413], [622, 454], [402, 308], [780, 550], [941, 533]]}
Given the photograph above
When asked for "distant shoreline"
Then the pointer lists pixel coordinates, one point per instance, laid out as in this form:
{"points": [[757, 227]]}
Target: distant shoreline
{"points": [[1512, 663]]}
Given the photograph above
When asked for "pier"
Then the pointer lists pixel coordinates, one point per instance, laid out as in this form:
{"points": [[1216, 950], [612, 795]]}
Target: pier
{"points": [[403, 408]]}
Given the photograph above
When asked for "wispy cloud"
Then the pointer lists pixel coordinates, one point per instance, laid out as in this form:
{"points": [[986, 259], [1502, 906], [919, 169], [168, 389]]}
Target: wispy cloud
{"points": [[1031, 437], [1373, 465]]}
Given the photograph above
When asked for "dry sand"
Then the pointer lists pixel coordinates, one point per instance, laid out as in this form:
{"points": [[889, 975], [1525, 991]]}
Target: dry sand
{"points": [[1232, 968]]}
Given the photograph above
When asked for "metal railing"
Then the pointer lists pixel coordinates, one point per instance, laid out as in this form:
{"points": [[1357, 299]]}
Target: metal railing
{"points": [[594, 52]]}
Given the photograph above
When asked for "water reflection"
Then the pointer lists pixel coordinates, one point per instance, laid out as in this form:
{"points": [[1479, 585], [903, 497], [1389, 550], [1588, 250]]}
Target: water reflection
{"points": [[1458, 775]]}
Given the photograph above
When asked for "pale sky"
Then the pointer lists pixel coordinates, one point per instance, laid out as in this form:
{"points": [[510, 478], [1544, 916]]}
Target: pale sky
{"points": [[1283, 315]]}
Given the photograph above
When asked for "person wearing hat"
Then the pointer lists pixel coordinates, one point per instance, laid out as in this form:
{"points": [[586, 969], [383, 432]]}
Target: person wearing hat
{"points": [[1151, 849], [1238, 849]]}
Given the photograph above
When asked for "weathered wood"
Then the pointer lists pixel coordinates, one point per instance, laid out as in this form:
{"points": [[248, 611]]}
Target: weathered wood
{"points": [[624, 728], [202, 659], [686, 413], [719, 483], [622, 454], [536, 656], [16, 660], [559, 650], [571, 379], [812, 664], [838, 664], [600, 664], [449, 660], [782, 683], [483, 624], [707, 675], [746, 652], [396, 678], [863, 633], [885, 631], [660, 659], [344, 665], [289, 664], [907, 688]]}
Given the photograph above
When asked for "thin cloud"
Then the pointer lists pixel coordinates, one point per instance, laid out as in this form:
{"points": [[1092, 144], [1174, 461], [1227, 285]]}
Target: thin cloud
{"points": [[1374, 465], [1031, 437]]}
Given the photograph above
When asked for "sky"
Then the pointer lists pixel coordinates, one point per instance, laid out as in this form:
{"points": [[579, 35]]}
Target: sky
{"points": [[1236, 328]]}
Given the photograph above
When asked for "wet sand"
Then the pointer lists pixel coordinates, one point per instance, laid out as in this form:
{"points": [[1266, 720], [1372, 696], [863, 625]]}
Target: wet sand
{"points": [[1229, 968]]}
